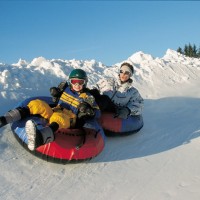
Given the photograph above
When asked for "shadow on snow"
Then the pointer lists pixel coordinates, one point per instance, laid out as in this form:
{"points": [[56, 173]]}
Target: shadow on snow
{"points": [[168, 123]]}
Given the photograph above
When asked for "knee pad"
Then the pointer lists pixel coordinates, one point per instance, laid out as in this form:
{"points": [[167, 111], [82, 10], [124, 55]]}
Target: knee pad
{"points": [[40, 107]]}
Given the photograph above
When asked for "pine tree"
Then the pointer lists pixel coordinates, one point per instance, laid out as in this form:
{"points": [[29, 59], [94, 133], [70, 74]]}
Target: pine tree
{"points": [[190, 51], [194, 53], [179, 50], [186, 50], [198, 53]]}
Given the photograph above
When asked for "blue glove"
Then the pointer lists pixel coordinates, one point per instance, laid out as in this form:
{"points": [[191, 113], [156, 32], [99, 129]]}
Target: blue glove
{"points": [[122, 113]]}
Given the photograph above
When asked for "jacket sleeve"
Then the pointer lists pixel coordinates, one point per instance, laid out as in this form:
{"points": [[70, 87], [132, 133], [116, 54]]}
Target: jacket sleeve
{"points": [[136, 103]]}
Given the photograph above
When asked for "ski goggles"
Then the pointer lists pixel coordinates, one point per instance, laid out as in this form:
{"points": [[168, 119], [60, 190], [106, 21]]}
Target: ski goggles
{"points": [[124, 72], [75, 81]]}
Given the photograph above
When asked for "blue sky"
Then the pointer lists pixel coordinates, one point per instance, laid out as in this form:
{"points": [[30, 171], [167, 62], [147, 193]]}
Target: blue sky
{"points": [[107, 31]]}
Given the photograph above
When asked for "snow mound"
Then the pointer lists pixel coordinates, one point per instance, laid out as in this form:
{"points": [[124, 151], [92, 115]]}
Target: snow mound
{"points": [[151, 74]]}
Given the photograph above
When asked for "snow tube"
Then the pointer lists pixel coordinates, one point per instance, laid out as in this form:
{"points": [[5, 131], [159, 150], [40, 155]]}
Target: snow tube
{"points": [[70, 145], [120, 127]]}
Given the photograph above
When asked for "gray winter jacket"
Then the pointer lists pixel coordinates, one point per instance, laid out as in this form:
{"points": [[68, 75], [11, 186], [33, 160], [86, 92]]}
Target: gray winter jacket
{"points": [[122, 95]]}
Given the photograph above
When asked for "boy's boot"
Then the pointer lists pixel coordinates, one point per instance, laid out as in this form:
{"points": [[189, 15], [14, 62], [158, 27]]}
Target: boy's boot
{"points": [[3, 121], [38, 137], [14, 115]]}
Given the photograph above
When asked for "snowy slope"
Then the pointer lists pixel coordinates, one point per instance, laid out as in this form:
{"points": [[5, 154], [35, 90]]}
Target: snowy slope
{"points": [[160, 162]]}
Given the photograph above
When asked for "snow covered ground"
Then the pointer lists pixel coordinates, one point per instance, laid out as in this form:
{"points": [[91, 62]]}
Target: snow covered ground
{"points": [[161, 162]]}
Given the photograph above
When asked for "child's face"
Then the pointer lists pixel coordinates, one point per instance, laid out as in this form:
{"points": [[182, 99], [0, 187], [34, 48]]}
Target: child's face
{"points": [[77, 84], [77, 87]]}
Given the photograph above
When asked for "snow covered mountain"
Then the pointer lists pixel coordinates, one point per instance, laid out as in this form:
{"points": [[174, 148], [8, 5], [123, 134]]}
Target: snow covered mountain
{"points": [[23, 79], [160, 162]]}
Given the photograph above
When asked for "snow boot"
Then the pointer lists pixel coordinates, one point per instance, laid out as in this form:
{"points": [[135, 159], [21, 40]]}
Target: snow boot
{"points": [[38, 137], [3, 121], [9, 117], [14, 115]]}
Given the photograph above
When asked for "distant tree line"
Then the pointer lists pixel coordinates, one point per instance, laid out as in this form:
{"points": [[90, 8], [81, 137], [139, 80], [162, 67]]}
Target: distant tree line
{"points": [[190, 51]]}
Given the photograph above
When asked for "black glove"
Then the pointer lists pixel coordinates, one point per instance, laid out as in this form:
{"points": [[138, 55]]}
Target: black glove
{"points": [[122, 113], [55, 92], [85, 110]]}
